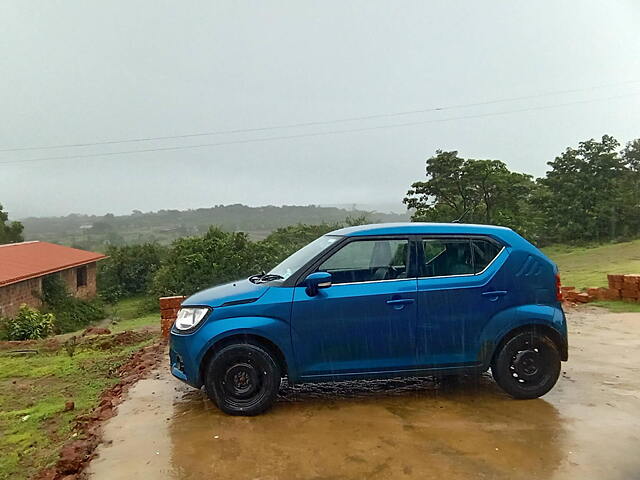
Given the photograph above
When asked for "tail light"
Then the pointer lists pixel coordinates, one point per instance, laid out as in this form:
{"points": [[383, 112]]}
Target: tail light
{"points": [[558, 289]]}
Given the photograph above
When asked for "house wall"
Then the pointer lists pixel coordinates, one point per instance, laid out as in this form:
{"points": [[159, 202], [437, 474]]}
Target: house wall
{"points": [[14, 295], [70, 279], [29, 291]]}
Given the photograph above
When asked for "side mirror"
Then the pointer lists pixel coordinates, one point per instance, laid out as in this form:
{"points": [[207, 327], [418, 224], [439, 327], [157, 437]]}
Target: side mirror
{"points": [[317, 280]]}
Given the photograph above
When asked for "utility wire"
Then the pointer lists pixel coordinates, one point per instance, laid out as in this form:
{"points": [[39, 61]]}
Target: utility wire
{"points": [[319, 123], [316, 134]]}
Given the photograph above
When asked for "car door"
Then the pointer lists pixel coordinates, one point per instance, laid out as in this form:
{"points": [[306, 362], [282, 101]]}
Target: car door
{"points": [[365, 321], [460, 287]]}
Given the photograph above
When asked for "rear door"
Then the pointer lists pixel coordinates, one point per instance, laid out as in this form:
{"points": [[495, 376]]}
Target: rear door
{"points": [[460, 287], [365, 321]]}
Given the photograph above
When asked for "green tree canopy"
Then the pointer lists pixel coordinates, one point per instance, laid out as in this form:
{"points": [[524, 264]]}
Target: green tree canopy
{"points": [[480, 191], [592, 192], [10, 232]]}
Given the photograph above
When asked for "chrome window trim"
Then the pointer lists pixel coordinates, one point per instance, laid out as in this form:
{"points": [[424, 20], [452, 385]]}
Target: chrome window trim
{"points": [[374, 281], [469, 274]]}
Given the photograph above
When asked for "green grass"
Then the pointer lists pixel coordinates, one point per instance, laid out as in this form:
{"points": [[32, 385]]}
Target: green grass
{"points": [[132, 314], [618, 306], [33, 391], [583, 267], [133, 307], [150, 320]]}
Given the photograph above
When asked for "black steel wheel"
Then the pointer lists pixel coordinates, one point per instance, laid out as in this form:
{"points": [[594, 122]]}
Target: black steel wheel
{"points": [[242, 379], [527, 365]]}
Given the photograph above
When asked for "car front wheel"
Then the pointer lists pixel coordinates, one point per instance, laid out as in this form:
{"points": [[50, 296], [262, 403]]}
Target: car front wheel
{"points": [[527, 365], [242, 379]]}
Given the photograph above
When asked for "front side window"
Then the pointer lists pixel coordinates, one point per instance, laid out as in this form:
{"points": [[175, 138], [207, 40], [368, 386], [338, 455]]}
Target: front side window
{"points": [[368, 261]]}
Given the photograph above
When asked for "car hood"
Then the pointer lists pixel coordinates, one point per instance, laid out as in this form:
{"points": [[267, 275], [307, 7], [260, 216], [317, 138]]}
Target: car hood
{"points": [[242, 291]]}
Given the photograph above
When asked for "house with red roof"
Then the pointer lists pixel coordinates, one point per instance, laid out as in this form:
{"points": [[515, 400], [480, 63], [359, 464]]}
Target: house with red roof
{"points": [[24, 265]]}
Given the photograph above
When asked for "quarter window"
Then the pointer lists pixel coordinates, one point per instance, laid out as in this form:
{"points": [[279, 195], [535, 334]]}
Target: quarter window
{"points": [[368, 260], [484, 252]]}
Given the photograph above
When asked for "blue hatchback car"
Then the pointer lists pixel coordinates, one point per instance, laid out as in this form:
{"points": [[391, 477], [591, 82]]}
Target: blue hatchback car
{"points": [[378, 301]]}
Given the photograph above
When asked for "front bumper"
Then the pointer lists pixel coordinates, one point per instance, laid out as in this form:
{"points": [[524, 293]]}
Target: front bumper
{"points": [[182, 362]]}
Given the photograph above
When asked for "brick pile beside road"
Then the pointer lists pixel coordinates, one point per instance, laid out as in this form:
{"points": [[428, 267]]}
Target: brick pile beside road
{"points": [[621, 287], [169, 307]]}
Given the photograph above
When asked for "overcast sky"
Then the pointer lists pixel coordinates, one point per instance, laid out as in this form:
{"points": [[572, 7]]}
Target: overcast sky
{"points": [[84, 72]]}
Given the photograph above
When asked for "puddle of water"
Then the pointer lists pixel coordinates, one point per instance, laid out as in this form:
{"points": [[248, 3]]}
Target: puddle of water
{"points": [[409, 429]]}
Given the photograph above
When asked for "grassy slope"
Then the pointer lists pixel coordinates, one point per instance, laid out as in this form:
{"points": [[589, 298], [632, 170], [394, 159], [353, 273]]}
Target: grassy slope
{"points": [[33, 392], [133, 313], [34, 389], [588, 267]]}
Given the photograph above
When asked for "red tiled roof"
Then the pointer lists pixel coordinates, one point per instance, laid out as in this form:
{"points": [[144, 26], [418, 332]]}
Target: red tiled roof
{"points": [[22, 261]]}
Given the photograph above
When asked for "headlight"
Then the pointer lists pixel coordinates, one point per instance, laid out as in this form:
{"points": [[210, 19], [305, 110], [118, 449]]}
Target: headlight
{"points": [[189, 317]]}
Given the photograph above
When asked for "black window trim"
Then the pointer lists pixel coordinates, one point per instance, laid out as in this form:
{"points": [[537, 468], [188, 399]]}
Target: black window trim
{"points": [[469, 237]]}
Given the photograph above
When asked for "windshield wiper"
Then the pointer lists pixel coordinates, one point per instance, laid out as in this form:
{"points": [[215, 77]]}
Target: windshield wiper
{"points": [[265, 277]]}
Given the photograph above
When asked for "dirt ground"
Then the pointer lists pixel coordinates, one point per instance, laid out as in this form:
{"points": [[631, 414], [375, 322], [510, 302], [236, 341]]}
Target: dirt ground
{"points": [[587, 427]]}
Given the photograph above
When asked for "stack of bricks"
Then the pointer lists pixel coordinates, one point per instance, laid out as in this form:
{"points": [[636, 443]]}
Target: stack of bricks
{"points": [[625, 287], [570, 294], [169, 307]]}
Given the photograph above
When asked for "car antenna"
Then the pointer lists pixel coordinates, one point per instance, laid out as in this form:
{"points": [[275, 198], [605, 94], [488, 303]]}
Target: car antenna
{"points": [[457, 220]]}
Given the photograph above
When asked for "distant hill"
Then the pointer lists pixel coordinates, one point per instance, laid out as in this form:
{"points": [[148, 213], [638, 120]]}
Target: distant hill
{"points": [[164, 226]]}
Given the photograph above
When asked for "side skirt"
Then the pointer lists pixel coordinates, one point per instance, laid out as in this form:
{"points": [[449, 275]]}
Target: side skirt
{"points": [[475, 368]]}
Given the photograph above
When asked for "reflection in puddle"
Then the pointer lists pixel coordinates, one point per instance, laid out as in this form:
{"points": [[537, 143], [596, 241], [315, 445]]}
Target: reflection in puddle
{"points": [[414, 428]]}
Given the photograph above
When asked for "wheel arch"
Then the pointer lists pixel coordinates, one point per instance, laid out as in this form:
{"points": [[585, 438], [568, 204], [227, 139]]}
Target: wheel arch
{"points": [[545, 329], [245, 338]]}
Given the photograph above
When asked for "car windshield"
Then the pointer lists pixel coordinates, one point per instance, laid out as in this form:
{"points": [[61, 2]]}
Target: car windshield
{"points": [[294, 262]]}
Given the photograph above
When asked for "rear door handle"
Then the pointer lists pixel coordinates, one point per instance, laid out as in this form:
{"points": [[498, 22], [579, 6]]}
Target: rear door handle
{"points": [[494, 294], [400, 301]]}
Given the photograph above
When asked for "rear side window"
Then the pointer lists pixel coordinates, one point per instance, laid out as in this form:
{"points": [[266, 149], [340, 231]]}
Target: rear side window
{"points": [[484, 252], [368, 260], [444, 257], [450, 256]]}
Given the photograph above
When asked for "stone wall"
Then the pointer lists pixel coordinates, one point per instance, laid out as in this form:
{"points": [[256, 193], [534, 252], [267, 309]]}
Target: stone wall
{"points": [[14, 295], [70, 278], [29, 291]]}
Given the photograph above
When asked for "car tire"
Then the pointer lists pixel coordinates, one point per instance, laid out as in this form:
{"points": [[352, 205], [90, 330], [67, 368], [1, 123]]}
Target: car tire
{"points": [[527, 365], [242, 379]]}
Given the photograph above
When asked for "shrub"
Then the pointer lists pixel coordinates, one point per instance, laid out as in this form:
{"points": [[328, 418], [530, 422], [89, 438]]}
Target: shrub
{"points": [[30, 324], [128, 270], [199, 262], [70, 313], [75, 314]]}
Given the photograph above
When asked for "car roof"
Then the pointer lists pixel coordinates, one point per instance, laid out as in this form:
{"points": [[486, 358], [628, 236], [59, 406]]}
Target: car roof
{"points": [[421, 228]]}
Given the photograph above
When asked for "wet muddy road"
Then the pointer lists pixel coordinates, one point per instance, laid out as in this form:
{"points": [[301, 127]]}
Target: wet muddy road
{"points": [[587, 427]]}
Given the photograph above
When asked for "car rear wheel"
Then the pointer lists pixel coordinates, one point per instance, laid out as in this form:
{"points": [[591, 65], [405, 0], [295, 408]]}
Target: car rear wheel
{"points": [[527, 365], [242, 379]]}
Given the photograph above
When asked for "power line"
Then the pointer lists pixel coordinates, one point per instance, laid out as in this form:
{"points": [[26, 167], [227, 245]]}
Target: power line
{"points": [[316, 134], [319, 123]]}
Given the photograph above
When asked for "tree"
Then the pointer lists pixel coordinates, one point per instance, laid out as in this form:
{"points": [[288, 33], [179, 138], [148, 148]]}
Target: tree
{"points": [[198, 262], [10, 232], [128, 269], [479, 191], [631, 190], [587, 190]]}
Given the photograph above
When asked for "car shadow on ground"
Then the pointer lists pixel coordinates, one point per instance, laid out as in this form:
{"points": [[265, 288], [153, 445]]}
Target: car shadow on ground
{"points": [[442, 387]]}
